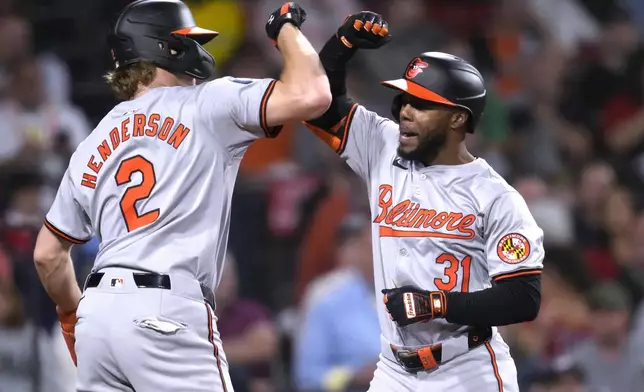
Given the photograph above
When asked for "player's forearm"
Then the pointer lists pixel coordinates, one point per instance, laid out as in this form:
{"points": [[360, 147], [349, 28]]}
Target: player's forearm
{"points": [[511, 301], [303, 75], [335, 57], [56, 273]]}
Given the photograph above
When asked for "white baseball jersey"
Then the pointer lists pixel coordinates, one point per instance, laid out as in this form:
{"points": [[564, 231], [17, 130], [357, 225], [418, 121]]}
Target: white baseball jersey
{"points": [[441, 227], [154, 180]]}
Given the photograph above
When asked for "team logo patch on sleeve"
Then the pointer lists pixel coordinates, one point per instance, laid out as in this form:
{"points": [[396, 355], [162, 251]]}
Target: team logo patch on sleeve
{"points": [[513, 248]]}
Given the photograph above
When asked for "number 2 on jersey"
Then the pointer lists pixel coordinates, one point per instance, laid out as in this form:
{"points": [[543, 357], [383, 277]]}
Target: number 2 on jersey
{"points": [[451, 272], [134, 220]]}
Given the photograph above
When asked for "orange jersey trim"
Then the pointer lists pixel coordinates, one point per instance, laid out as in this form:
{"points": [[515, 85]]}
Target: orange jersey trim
{"points": [[270, 132], [389, 232], [332, 141], [494, 366], [347, 126], [331, 137], [211, 339], [513, 274], [61, 234]]}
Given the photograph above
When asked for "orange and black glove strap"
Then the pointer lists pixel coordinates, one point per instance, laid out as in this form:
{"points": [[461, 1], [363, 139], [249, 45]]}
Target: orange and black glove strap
{"points": [[409, 305], [288, 13]]}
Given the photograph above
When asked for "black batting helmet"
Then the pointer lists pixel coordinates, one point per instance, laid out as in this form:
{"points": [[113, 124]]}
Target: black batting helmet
{"points": [[164, 33], [444, 79]]}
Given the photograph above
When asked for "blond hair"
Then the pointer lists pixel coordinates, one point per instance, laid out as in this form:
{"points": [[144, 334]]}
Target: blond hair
{"points": [[125, 81]]}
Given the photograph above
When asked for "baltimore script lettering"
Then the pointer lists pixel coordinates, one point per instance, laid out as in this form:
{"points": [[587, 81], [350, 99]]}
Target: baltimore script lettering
{"points": [[407, 214]]}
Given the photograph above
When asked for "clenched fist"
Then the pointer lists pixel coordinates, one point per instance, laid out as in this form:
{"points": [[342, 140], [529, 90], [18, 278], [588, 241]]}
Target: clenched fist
{"points": [[409, 305], [288, 13], [364, 30]]}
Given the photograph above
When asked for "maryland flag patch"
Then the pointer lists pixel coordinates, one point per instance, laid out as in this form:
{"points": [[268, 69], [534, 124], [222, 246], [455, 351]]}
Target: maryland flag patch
{"points": [[513, 248]]}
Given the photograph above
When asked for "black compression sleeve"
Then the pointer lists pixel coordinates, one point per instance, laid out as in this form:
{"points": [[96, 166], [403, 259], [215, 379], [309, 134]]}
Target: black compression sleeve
{"points": [[508, 301], [334, 57]]}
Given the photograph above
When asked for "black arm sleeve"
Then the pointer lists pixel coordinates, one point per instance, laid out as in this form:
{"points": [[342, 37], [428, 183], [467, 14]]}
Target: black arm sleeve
{"points": [[334, 57], [508, 301]]}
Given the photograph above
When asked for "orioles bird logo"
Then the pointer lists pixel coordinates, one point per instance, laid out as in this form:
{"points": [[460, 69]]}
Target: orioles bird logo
{"points": [[415, 67]]}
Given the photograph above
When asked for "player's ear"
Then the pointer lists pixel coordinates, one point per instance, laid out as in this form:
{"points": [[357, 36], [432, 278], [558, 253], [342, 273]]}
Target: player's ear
{"points": [[459, 119]]}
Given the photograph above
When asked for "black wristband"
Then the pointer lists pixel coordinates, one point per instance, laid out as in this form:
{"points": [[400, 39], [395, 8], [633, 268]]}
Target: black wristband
{"points": [[334, 57]]}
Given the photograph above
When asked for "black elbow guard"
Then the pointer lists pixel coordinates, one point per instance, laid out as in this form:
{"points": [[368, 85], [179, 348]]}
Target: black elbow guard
{"points": [[340, 108], [333, 126]]}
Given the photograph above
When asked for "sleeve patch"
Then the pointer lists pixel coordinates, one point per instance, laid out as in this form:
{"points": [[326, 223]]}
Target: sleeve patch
{"points": [[513, 248]]}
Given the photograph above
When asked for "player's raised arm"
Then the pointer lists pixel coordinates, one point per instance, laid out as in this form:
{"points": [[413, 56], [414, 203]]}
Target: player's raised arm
{"points": [[514, 253], [302, 92], [352, 131]]}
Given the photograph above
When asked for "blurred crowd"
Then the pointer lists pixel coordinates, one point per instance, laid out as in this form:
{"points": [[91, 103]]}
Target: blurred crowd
{"points": [[564, 124]]}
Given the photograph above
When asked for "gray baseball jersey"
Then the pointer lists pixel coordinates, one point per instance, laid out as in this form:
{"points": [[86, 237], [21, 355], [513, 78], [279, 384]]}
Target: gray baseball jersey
{"points": [[441, 227], [154, 180]]}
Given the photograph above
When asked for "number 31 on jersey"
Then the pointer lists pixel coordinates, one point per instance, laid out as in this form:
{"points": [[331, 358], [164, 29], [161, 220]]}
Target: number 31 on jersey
{"points": [[452, 266]]}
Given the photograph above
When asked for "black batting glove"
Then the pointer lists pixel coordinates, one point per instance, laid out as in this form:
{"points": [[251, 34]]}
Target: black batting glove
{"points": [[409, 305], [288, 13], [364, 30]]}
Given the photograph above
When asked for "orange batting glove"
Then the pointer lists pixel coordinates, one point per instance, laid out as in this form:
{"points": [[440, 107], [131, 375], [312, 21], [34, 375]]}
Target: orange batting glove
{"points": [[68, 323]]}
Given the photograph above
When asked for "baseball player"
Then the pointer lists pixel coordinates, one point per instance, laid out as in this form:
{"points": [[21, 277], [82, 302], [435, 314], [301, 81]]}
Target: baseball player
{"points": [[154, 182], [456, 251]]}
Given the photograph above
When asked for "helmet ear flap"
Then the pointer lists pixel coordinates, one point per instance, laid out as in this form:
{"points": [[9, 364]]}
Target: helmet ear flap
{"points": [[396, 106]]}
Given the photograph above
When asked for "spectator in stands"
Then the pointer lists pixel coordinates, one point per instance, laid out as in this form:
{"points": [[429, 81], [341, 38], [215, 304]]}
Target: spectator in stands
{"points": [[549, 144], [36, 131], [338, 346], [550, 210], [593, 188], [569, 380], [31, 360], [619, 217], [14, 46], [21, 219], [596, 184], [567, 22], [248, 334], [17, 46], [599, 97], [610, 360], [22, 200], [560, 326], [17, 354], [635, 270], [558, 377]]}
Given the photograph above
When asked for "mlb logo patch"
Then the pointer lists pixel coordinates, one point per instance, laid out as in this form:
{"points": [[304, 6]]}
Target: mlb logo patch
{"points": [[117, 282]]}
